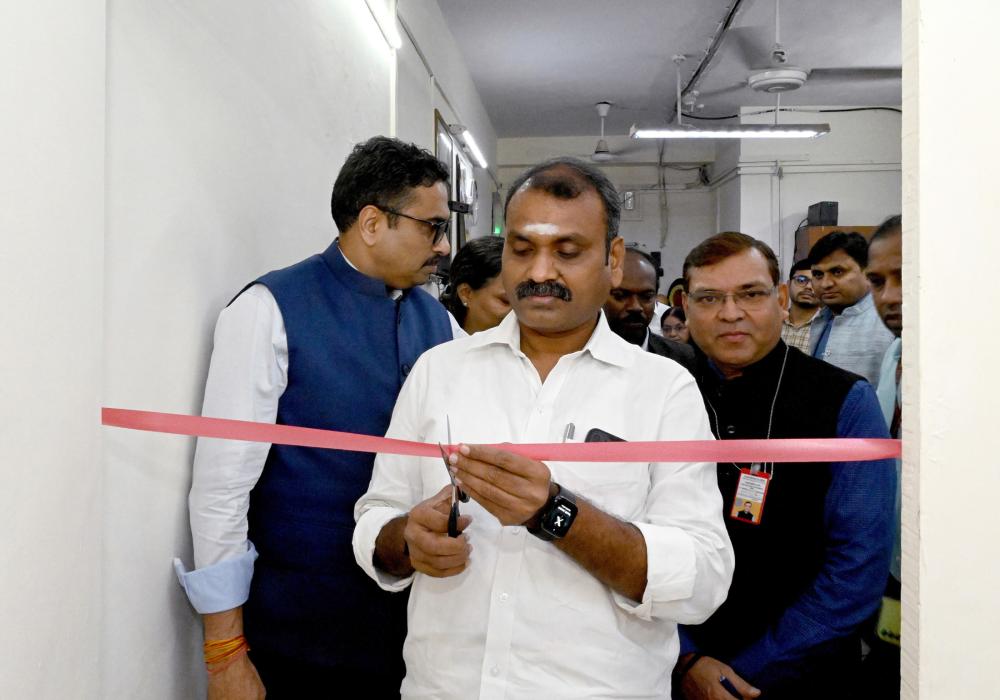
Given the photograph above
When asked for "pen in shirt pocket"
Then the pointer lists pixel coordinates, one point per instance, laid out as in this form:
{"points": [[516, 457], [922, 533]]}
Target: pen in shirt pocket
{"points": [[569, 432]]}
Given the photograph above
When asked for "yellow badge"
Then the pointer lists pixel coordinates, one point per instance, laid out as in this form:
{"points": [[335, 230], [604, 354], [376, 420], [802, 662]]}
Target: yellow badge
{"points": [[889, 621]]}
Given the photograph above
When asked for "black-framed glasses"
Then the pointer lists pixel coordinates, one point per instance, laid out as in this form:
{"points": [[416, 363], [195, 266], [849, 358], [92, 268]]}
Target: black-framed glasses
{"points": [[440, 228], [802, 279]]}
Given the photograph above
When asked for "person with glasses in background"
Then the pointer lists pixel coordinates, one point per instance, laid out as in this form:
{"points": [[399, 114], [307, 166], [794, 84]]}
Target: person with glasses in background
{"points": [[325, 343], [803, 307], [475, 295], [812, 563]]}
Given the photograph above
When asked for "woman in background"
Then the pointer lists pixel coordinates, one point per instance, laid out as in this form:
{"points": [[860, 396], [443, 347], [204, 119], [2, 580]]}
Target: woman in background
{"points": [[475, 295], [673, 323]]}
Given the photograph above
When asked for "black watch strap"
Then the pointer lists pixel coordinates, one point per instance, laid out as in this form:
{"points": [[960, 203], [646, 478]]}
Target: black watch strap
{"points": [[556, 516]]}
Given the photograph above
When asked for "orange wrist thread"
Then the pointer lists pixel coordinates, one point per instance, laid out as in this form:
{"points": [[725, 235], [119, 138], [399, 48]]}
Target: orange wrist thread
{"points": [[221, 653]]}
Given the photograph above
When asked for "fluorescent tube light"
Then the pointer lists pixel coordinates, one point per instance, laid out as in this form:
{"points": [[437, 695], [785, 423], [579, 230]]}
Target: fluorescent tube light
{"points": [[470, 143], [734, 131], [474, 147]]}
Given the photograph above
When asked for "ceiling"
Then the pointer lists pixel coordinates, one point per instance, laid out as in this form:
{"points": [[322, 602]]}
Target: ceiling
{"points": [[540, 66]]}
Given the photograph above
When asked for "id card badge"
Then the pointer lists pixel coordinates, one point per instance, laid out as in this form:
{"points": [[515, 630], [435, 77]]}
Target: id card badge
{"points": [[751, 490]]}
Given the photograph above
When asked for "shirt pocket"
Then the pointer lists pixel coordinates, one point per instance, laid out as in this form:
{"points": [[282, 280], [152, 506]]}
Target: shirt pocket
{"points": [[618, 488]]}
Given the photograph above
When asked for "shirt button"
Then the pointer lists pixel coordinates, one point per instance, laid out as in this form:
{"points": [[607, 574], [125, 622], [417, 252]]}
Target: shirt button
{"points": [[730, 430], [504, 597], [516, 530], [495, 671]]}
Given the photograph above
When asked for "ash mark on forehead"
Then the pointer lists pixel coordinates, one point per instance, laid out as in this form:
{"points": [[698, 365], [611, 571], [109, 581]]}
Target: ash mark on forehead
{"points": [[541, 229]]}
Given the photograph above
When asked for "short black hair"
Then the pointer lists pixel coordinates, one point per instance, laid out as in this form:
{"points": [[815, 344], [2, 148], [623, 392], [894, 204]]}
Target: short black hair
{"points": [[889, 227], [552, 178], [674, 312], [802, 264], [475, 264], [854, 244], [725, 245], [645, 255], [382, 171]]}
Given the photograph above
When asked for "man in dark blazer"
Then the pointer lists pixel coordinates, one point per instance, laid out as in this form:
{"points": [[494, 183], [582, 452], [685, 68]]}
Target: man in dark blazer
{"points": [[629, 309]]}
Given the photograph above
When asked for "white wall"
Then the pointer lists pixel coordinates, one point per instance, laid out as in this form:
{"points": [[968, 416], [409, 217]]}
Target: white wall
{"points": [[951, 612], [226, 125], [857, 164], [690, 213], [52, 225]]}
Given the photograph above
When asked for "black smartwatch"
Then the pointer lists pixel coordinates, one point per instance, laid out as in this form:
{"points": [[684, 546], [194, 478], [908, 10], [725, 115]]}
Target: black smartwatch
{"points": [[556, 517]]}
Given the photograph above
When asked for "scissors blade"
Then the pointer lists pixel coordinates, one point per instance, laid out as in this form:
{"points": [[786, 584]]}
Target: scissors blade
{"points": [[462, 495], [453, 513]]}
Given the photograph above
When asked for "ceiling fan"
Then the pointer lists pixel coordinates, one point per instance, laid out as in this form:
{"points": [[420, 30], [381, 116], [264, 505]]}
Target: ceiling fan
{"points": [[769, 69], [603, 154]]}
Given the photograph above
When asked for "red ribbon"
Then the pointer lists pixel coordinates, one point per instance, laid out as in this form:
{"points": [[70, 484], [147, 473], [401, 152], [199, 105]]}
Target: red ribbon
{"points": [[799, 450]]}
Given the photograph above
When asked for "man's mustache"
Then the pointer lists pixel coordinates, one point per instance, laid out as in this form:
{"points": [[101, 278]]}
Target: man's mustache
{"points": [[543, 289], [634, 317]]}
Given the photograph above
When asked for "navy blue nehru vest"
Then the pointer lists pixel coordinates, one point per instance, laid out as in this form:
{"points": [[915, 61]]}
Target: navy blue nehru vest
{"points": [[350, 346]]}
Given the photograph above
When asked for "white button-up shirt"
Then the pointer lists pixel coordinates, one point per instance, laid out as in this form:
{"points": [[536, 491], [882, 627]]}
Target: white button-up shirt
{"points": [[524, 620]]}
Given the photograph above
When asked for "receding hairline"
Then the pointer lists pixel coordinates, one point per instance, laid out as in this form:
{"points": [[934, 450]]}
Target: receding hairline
{"points": [[750, 250]]}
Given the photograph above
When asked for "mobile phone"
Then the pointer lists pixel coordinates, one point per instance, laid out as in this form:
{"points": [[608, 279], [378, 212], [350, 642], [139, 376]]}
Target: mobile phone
{"points": [[598, 435]]}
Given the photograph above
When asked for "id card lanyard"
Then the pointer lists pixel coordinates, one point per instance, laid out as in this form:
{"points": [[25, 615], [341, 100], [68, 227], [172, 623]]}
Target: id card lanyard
{"points": [[751, 489]]}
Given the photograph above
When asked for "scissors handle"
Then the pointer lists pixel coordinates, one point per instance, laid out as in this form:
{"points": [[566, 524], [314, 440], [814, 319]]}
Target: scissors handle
{"points": [[453, 521]]}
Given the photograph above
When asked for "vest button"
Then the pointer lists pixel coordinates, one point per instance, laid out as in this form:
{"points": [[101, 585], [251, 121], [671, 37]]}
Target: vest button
{"points": [[730, 430], [406, 370]]}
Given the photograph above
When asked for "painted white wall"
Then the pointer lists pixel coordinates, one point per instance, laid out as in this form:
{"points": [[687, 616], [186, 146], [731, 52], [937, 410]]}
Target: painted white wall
{"points": [[690, 214], [951, 614], [858, 164], [227, 126], [51, 270]]}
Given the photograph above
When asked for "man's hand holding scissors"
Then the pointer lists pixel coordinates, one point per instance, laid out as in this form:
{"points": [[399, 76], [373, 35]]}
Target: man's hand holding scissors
{"points": [[419, 541], [511, 487], [432, 550]]}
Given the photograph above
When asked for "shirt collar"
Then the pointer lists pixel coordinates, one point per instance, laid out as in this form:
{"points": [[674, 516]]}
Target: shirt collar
{"points": [[861, 306], [347, 273], [812, 318], [604, 345]]}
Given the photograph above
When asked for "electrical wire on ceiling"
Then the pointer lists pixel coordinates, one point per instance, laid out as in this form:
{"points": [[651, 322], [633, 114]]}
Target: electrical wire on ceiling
{"points": [[797, 109], [710, 52]]}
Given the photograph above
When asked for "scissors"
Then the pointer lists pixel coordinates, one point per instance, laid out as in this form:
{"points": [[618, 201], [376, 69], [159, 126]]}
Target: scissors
{"points": [[457, 494]]}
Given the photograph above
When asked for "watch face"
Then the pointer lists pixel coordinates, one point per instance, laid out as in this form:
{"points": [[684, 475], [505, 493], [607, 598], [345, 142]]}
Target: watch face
{"points": [[558, 520]]}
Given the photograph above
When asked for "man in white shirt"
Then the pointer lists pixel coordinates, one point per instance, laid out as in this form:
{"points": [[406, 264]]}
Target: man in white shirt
{"points": [[580, 571]]}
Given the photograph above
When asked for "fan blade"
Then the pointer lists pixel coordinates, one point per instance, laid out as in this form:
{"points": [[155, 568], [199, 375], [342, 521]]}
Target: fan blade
{"points": [[854, 74], [751, 46], [729, 89]]}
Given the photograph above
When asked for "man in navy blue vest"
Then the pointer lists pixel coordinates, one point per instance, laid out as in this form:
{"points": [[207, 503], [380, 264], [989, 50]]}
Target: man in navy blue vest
{"points": [[812, 565], [325, 343]]}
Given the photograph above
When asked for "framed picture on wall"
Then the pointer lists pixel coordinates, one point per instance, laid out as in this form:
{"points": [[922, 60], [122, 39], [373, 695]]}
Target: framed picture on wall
{"points": [[444, 146]]}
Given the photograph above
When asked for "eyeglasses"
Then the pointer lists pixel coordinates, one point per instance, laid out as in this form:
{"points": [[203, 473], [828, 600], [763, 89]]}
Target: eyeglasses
{"points": [[744, 298], [802, 279], [440, 227]]}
